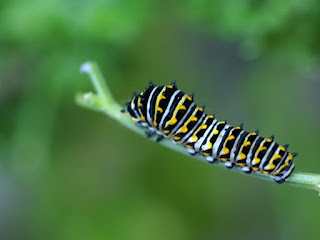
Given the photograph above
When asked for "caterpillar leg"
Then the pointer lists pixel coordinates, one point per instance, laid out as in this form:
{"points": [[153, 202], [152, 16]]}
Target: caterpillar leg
{"points": [[247, 170], [285, 176], [150, 132], [159, 138], [279, 180], [229, 165], [211, 159], [192, 151]]}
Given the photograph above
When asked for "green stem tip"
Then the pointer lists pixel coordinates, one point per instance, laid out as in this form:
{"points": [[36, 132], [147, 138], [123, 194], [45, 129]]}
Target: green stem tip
{"points": [[104, 102]]}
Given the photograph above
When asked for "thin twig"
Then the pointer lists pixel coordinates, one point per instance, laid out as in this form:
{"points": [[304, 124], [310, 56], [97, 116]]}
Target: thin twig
{"points": [[105, 103]]}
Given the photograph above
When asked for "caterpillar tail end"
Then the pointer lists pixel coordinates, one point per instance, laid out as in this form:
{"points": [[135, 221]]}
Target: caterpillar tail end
{"points": [[286, 176]]}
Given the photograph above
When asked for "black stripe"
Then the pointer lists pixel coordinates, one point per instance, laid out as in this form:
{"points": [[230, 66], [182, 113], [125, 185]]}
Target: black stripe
{"points": [[285, 170], [246, 150], [223, 140], [130, 110], [262, 153], [193, 126], [239, 144], [290, 171], [255, 148], [144, 101], [281, 162], [206, 138], [181, 118], [153, 102], [181, 123], [271, 153], [219, 127], [208, 122], [230, 143], [164, 103], [136, 110], [173, 107]]}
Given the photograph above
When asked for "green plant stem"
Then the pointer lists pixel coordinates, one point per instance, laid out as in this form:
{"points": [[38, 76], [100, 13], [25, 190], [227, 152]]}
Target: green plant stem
{"points": [[97, 80], [105, 103]]}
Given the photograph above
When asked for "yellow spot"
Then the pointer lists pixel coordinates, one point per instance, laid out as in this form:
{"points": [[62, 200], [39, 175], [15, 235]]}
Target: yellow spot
{"points": [[166, 131], [162, 96], [159, 98], [207, 146], [226, 151], [183, 129], [265, 172], [270, 166], [159, 109], [255, 169], [261, 149], [282, 148], [194, 138], [193, 118], [241, 164], [188, 146], [134, 120], [154, 123], [275, 157], [205, 154], [241, 157], [215, 132], [176, 138], [268, 140], [189, 98], [247, 143], [210, 116], [169, 86], [280, 168], [204, 126], [143, 118], [172, 121], [200, 109], [256, 161], [231, 137], [182, 107], [223, 159]]}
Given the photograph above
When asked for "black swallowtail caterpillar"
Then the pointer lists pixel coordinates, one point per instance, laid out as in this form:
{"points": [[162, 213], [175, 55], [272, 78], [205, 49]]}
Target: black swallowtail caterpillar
{"points": [[170, 113]]}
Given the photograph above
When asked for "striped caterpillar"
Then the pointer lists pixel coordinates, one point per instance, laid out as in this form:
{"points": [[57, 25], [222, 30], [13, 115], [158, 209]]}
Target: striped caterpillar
{"points": [[170, 113]]}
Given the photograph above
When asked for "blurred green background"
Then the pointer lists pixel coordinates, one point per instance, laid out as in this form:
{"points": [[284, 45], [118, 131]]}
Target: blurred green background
{"points": [[68, 173]]}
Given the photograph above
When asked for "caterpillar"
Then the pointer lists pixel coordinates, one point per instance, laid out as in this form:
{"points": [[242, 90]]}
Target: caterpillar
{"points": [[171, 113]]}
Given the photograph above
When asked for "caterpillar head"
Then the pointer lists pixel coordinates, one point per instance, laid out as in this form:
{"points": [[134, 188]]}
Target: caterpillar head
{"points": [[137, 106], [132, 108]]}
